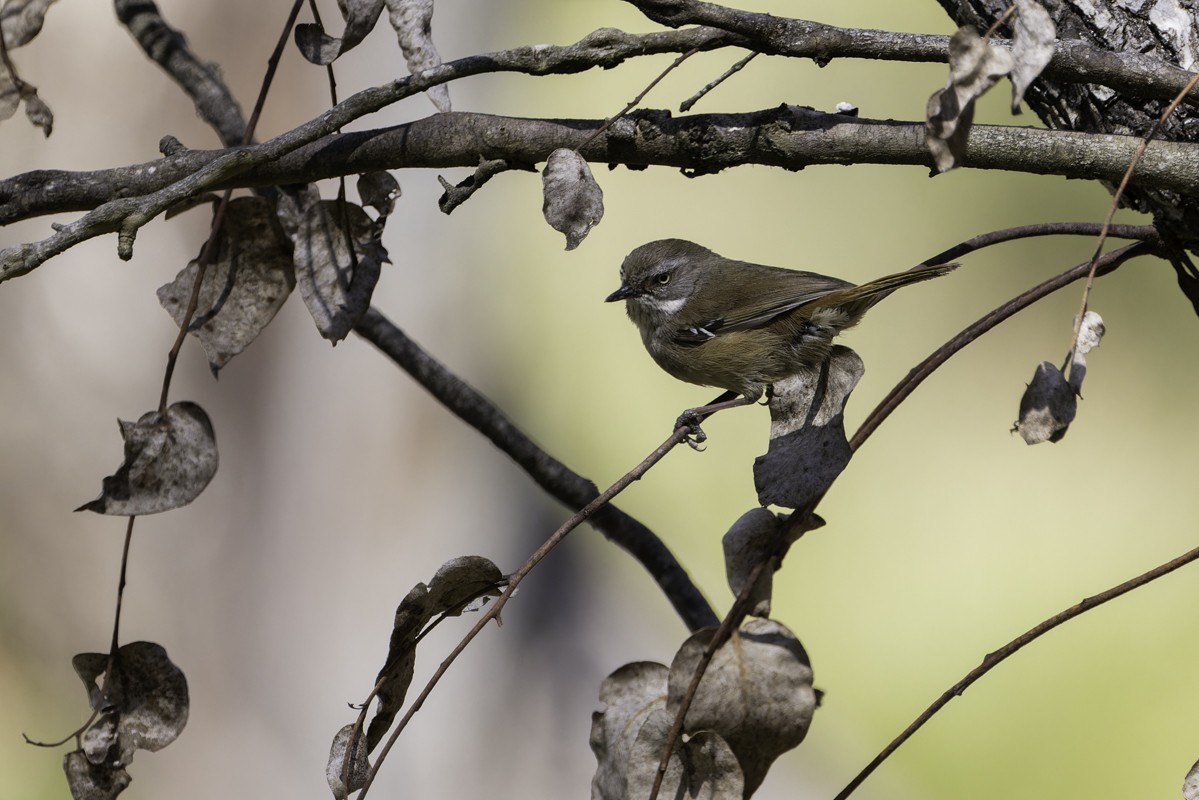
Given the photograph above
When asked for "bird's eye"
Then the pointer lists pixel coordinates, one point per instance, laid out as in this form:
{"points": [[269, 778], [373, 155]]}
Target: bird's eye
{"points": [[664, 278]]}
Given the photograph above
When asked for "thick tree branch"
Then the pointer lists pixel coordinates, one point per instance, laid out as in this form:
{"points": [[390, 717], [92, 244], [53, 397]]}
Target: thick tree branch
{"points": [[558, 480], [605, 48], [789, 137]]}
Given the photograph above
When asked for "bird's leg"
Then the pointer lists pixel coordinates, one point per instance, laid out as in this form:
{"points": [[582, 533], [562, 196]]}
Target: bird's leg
{"points": [[692, 417]]}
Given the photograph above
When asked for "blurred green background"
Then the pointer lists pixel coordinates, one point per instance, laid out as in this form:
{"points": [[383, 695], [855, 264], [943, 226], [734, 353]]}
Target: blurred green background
{"points": [[342, 485]]}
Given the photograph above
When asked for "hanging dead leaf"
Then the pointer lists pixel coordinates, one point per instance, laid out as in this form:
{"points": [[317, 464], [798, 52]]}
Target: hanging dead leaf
{"points": [[456, 584], [321, 48], [143, 705], [169, 459], [974, 67], [1047, 407], [413, 23], [1190, 785], [378, 190], [335, 768], [88, 781], [703, 767], [751, 540], [573, 201], [628, 696], [246, 284], [336, 273], [808, 448], [21, 20], [1032, 47], [756, 693], [1050, 402], [1090, 333]]}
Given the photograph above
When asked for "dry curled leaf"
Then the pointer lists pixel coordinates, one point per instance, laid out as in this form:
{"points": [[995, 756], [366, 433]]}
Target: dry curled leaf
{"points": [[169, 459], [1090, 333], [703, 767], [808, 448], [20, 22], [452, 590], [573, 201], [320, 48], [335, 768], [88, 781], [143, 706], [1050, 402], [974, 67], [38, 113], [336, 273], [378, 190], [756, 693], [1047, 407], [246, 284], [628, 696], [1032, 47], [462, 582], [747, 543], [1190, 785], [413, 23]]}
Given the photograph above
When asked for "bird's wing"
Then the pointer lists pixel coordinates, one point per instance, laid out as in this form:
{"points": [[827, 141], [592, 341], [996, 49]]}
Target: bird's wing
{"points": [[758, 309]]}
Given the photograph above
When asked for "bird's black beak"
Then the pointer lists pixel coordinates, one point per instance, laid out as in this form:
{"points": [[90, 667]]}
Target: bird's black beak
{"points": [[623, 293]]}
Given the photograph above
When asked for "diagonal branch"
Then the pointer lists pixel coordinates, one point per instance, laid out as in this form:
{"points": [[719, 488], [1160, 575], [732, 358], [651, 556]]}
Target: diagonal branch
{"points": [[564, 485], [201, 81], [996, 657]]}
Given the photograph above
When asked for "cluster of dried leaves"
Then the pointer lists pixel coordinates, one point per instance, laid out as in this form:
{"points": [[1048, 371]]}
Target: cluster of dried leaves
{"points": [[263, 247]]}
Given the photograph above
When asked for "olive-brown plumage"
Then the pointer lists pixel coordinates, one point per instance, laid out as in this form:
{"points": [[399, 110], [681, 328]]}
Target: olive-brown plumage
{"points": [[739, 326]]}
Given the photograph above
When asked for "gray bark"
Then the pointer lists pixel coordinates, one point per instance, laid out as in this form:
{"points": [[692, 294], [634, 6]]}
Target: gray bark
{"points": [[1160, 29]]}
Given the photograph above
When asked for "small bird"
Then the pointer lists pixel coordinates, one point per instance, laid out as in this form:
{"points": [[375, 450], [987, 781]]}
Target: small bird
{"points": [[738, 326]]}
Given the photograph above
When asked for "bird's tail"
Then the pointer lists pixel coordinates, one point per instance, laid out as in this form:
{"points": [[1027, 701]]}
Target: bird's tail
{"points": [[858, 299]]}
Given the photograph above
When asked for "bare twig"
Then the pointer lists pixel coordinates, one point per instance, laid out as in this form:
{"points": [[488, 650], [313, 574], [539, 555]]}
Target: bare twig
{"points": [[640, 96], [1004, 17], [993, 659], [550, 474], [456, 195], [515, 579], [690, 102]]}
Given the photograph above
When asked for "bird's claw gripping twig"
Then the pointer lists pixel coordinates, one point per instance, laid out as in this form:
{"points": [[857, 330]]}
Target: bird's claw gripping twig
{"points": [[690, 419]]}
